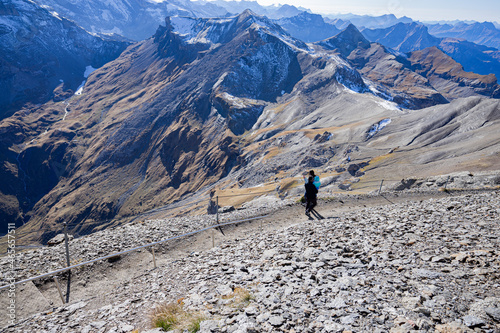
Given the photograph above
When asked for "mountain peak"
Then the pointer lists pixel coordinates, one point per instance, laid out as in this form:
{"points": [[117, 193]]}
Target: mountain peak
{"points": [[247, 13], [346, 41]]}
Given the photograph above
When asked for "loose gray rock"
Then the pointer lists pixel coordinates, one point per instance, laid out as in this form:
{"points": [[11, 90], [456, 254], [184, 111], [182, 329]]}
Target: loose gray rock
{"points": [[276, 320], [493, 313], [471, 321]]}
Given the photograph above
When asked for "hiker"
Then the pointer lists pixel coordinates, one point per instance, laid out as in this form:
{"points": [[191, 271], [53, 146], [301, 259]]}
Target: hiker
{"points": [[317, 182], [212, 206], [311, 192]]}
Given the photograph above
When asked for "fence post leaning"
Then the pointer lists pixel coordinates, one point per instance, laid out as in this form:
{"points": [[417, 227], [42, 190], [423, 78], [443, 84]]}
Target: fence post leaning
{"points": [[380, 189], [154, 257], [59, 289], [217, 207], [66, 241]]}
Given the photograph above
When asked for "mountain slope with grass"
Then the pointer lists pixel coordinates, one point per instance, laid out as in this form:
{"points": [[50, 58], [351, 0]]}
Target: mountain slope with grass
{"points": [[236, 103]]}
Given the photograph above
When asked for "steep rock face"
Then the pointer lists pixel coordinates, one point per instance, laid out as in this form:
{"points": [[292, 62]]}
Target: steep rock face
{"points": [[387, 72], [39, 52], [474, 58], [450, 78], [392, 77], [346, 41], [405, 79]]}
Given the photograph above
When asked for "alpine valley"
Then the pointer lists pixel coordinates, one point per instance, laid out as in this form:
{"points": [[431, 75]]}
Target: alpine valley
{"points": [[98, 128]]}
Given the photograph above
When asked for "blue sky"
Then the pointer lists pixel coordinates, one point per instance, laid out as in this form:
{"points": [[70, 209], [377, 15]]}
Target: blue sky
{"points": [[478, 10]]}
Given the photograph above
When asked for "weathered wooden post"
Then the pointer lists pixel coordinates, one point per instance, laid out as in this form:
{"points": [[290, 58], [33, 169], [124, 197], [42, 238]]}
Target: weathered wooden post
{"points": [[59, 289], [154, 257]]}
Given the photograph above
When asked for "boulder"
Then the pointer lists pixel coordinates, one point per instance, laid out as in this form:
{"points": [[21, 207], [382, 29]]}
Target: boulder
{"points": [[58, 240]]}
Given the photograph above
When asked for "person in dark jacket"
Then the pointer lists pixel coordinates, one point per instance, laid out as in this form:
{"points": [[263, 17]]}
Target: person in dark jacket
{"points": [[311, 192]]}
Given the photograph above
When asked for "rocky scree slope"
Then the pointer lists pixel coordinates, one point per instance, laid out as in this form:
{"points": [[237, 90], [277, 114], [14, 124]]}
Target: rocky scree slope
{"points": [[415, 266]]}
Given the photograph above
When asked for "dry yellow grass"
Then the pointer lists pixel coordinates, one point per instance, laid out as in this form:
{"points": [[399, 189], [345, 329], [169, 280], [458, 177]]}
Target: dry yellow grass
{"points": [[170, 316]]}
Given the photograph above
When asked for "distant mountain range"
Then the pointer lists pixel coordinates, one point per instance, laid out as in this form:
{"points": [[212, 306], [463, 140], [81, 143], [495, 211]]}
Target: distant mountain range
{"points": [[104, 129], [413, 36], [485, 33], [371, 22], [308, 27], [138, 19]]}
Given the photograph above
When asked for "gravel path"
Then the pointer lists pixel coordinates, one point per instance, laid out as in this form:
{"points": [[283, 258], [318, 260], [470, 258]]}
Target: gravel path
{"points": [[397, 265]]}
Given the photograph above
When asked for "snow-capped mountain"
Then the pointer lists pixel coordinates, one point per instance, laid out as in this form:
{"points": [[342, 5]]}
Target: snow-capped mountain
{"points": [[403, 37], [134, 19], [273, 11], [44, 56], [138, 19]]}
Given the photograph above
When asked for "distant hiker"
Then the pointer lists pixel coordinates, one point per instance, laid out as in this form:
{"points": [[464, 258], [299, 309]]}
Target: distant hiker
{"points": [[311, 192], [212, 206]]}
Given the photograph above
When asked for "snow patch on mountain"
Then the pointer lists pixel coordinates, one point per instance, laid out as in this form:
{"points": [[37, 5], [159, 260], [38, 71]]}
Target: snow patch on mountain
{"points": [[375, 128], [389, 105], [205, 31], [234, 101], [88, 71]]}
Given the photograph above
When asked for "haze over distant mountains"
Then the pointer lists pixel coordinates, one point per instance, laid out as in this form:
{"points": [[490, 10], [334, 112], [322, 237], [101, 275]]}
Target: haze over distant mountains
{"points": [[201, 100]]}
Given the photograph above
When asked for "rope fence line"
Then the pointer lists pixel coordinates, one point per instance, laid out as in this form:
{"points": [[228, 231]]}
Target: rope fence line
{"points": [[62, 270], [80, 229], [216, 225]]}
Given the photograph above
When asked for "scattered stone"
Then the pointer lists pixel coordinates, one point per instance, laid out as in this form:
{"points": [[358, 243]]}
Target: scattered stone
{"points": [[493, 313], [471, 321], [276, 320], [226, 209], [354, 272]]}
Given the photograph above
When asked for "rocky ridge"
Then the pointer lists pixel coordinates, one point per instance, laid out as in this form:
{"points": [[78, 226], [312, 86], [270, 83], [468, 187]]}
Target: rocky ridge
{"points": [[413, 266]]}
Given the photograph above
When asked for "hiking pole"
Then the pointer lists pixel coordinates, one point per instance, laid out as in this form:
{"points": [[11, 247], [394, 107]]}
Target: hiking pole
{"points": [[380, 189], [446, 184]]}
